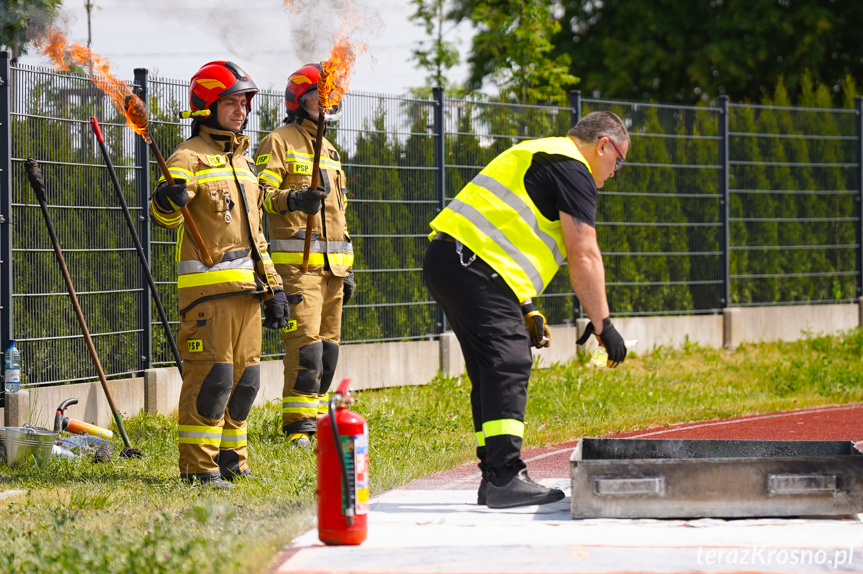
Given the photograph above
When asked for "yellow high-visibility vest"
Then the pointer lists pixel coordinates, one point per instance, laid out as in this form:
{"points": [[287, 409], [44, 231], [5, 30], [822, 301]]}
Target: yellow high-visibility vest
{"points": [[495, 218]]}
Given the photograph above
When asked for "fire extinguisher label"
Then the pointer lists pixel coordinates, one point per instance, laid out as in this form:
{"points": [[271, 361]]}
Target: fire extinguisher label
{"points": [[356, 449], [362, 475]]}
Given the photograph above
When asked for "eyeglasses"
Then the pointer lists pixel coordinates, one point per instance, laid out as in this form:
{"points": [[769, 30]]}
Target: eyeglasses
{"points": [[618, 163]]}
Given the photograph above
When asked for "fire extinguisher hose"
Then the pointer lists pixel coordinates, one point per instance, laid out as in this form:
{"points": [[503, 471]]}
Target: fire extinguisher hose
{"points": [[346, 485]]}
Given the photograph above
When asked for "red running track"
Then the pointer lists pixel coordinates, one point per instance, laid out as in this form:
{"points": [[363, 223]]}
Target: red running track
{"points": [[837, 422]]}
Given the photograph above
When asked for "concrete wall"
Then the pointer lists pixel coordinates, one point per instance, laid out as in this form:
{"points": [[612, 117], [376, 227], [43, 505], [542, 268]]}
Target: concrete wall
{"points": [[373, 366], [92, 407], [754, 324]]}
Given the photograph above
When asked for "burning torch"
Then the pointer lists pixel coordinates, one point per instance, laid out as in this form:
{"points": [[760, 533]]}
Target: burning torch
{"points": [[332, 85], [55, 45], [316, 163], [136, 113]]}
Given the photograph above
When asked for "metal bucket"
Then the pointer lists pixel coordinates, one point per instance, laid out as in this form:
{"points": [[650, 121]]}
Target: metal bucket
{"points": [[20, 442]]}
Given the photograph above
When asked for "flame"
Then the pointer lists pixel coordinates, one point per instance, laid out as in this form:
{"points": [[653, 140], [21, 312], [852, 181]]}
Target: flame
{"points": [[65, 56], [289, 4], [336, 77]]}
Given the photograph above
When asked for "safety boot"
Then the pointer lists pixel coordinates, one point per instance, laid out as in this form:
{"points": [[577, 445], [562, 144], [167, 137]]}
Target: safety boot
{"points": [[215, 483], [521, 491], [300, 440], [482, 493], [247, 475]]}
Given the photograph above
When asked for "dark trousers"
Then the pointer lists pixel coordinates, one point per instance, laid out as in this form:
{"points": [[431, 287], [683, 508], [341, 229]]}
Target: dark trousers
{"points": [[487, 320]]}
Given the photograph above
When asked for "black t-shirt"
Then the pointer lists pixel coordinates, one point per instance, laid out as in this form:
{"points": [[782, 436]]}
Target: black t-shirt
{"points": [[558, 183]]}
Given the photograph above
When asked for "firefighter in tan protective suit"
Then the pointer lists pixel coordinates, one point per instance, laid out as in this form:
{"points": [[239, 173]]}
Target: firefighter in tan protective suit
{"points": [[284, 162], [220, 312]]}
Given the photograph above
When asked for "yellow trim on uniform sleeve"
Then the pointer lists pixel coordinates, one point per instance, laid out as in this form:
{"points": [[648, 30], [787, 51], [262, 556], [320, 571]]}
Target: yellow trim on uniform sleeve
{"points": [[270, 176], [165, 220], [179, 173], [180, 234], [296, 155], [268, 202]]}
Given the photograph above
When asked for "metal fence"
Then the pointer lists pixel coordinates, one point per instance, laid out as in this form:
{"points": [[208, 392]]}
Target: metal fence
{"points": [[717, 206]]}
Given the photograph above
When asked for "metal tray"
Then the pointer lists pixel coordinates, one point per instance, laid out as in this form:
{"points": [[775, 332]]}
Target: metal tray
{"points": [[647, 478]]}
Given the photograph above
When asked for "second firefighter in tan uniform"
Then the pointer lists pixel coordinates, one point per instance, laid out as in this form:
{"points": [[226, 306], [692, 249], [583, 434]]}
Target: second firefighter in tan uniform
{"points": [[312, 336], [220, 311]]}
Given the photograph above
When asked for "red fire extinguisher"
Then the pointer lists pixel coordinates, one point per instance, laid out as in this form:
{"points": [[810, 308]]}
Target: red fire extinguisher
{"points": [[343, 472]]}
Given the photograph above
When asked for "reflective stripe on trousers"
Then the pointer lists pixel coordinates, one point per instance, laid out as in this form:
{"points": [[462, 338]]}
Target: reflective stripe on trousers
{"points": [[300, 405], [196, 434], [233, 438]]}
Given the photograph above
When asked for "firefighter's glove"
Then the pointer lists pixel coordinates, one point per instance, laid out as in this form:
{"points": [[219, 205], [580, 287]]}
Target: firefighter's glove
{"points": [[171, 197], [537, 326], [588, 331], [349, 288], [613, 343], [307, 200], [277, 313]]}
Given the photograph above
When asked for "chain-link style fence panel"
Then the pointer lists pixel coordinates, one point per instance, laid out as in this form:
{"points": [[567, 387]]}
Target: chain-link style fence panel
{"points": [[715, 207]]}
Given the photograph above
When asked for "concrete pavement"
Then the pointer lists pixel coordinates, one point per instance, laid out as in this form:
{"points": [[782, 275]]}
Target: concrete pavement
{"points": [[434, 525]]}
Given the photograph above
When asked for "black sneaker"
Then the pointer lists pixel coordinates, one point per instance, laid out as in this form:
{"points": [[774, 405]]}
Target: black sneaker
{"points": [[521, 491], [481, 494]]}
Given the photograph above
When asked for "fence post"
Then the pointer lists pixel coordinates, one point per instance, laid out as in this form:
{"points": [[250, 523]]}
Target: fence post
{"points": [[575, 105], [724, 207], [142, 193], [6, 331], [440, 177], [858, 106]]}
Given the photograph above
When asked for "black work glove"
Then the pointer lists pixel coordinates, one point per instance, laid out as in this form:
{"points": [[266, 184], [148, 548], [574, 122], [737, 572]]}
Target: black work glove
{"points": [[610, 339], [349, 288], [277, 313], [537, 326], [307, 200], [171, 197]]}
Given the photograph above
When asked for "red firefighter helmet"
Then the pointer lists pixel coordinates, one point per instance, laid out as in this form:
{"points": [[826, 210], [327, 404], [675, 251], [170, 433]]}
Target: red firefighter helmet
{"points": [[216, 80], [301, 83]]}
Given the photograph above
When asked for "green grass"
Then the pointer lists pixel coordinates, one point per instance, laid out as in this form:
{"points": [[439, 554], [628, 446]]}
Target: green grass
{"points": [[137, 516]]}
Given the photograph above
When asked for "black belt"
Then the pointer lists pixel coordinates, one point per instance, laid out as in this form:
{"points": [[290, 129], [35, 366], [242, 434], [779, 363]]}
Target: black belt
{"points": [[441, 236]]}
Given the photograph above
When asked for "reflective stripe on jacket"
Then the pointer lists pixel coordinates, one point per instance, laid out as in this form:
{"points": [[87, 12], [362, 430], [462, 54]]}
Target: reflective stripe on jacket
{"points": [[284, 161], [228, 216], [495, 218]]}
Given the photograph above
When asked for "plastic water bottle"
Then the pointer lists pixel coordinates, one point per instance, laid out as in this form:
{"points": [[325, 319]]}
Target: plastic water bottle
{"points": [[12, 371], [59, 451], [599, 357]]}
